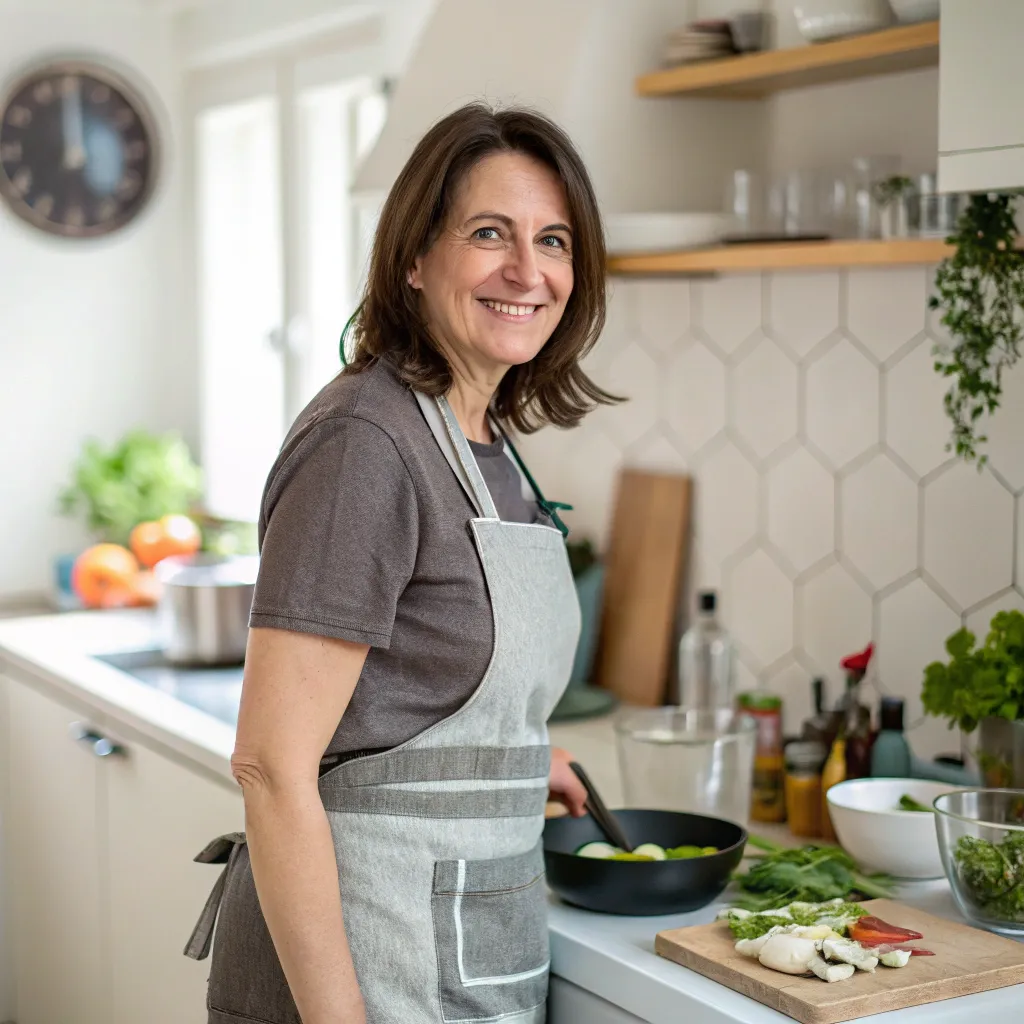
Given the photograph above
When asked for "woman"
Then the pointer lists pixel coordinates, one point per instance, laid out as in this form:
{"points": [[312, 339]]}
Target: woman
{"points": [[415, 618]]}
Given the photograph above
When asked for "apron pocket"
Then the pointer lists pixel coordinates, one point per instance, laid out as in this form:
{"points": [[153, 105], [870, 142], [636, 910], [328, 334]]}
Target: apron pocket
{"points": [[491, 934]]}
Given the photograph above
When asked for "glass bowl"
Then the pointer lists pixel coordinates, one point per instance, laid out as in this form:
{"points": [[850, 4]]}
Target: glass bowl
{"points": [[981, 840]]}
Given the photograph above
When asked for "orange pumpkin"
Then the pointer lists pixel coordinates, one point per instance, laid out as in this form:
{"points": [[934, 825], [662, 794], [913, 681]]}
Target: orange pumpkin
{"points": [[170, 535]]}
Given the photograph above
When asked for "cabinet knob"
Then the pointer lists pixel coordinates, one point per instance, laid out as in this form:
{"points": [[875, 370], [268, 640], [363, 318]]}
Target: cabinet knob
{"points": [[100, 745]]}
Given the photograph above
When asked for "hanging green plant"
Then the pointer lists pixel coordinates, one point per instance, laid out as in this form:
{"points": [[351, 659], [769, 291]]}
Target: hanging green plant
{"points": [[980, 289]]}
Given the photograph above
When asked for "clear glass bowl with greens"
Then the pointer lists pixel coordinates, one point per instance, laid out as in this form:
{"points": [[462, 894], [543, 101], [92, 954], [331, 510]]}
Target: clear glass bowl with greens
{"points": [[981, 840]]}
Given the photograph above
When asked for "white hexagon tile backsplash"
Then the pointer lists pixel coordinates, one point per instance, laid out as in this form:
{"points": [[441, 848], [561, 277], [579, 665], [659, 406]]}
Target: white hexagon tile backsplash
{"points": [[826, 509]]}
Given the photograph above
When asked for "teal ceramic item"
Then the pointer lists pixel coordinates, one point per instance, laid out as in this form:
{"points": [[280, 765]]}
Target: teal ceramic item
{"points": [[581, 700]]}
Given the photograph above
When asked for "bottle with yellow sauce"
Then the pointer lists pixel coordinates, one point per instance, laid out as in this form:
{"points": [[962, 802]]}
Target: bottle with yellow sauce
{"points": [[833, 773]]}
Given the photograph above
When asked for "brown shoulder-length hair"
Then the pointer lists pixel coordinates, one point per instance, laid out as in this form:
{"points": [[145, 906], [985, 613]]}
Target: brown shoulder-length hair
{"points": [[550, 388]]}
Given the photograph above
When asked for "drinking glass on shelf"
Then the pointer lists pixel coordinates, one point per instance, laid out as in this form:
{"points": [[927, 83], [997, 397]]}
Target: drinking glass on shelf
{"points": [[933, 215], [866, 172], [744, 201], [795, 204]]}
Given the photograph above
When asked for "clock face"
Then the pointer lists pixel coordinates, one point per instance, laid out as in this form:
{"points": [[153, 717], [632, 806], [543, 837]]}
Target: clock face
{"points": [[77, 150]]}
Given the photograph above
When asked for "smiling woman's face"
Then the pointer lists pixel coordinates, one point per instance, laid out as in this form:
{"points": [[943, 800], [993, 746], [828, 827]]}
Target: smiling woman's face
{"points": [[496, 281]]}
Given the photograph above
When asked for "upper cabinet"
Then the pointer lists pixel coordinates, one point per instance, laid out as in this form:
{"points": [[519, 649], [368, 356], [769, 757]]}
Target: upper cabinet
{"points": [[981, 126]]}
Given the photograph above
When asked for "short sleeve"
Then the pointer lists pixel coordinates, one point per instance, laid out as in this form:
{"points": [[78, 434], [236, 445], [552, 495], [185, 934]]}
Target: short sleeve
{"points": [[339, 535]]}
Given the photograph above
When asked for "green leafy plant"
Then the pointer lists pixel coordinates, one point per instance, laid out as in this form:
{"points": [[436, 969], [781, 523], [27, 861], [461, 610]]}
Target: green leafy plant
{"points": [[993, 874], [982, 682], [811, 874], [889, 189], [143, 477], [980, 289]]}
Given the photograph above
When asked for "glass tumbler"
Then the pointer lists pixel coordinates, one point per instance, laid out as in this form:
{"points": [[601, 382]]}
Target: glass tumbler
{"points": [[682, 759]]}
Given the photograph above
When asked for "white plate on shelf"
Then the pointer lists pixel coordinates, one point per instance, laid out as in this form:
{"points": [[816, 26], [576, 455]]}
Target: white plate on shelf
{"points": [[909, 11], [665, 232], [821, 20]]}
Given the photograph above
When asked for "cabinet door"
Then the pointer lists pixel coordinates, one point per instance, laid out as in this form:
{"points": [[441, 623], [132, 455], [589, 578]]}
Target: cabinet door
{"points": [[161, 815], [981, 128], [61, 973]]}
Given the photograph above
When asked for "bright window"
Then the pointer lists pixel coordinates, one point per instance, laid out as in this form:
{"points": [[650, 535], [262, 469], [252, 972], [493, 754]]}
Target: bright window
{"points": [[281, 248]]}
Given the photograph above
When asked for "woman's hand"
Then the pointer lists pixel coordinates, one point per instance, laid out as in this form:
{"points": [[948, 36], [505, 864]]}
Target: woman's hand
{"points": [[564, 787]]}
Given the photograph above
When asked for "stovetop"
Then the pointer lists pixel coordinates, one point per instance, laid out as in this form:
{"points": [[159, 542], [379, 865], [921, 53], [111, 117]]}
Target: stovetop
{"points": [[214, 690]]}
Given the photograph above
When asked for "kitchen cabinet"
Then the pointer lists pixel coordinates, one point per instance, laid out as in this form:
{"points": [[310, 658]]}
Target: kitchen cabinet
{"points": [[54, 825], [568, 1004], [981, 131], [104, 892], [161, 815]]}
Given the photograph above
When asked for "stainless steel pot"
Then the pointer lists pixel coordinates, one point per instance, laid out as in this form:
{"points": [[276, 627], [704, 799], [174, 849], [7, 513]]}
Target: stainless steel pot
{"points": [[204, 607]]}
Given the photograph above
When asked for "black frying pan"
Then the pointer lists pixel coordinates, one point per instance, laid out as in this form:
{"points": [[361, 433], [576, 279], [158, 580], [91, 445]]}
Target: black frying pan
{"points": [[642, 888]]}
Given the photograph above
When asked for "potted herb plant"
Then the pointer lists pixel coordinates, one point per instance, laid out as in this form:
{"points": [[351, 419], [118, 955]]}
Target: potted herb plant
{"points": [[980, 290], [982, 688]]}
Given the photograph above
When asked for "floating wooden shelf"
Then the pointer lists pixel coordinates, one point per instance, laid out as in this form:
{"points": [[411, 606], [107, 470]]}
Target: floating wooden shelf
{"points": [[905, 48], [781, 256]]}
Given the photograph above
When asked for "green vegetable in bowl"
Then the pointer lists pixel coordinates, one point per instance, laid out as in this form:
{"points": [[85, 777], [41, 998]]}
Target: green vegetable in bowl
{"points": [[598, 851], [992, 874], [646, 851], [908, 803], [686, 852]]}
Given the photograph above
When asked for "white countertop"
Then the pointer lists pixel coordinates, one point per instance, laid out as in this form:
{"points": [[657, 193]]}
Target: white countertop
{"points": [[610, 956], [60, 650]]}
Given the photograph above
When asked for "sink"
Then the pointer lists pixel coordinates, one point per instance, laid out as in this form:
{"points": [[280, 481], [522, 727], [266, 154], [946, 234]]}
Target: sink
{"points": [[215, 690]]}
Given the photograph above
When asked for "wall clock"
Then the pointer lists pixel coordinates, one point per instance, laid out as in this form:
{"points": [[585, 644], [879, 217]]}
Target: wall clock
{"points": [[78, 149]]}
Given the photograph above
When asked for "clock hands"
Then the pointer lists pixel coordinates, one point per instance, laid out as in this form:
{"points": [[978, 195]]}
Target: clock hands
{"points": [[73, 124]]}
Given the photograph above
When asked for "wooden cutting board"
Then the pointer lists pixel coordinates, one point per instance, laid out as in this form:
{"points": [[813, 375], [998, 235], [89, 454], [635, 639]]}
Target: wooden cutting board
{"points": [[643, 578], [967, 960]]}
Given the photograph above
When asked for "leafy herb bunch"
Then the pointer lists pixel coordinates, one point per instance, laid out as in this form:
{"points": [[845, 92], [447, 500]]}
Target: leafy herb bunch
{"points": [[810, 874], [993, 874], [979, 682], [980, 289]]}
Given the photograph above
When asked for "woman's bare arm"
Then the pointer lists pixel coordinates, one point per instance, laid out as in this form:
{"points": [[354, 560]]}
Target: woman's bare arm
{"points": [[296, 689]]}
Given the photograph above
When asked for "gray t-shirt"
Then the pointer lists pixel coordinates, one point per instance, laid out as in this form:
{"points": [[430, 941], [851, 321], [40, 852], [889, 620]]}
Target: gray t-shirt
{"points": [[364, 536]]}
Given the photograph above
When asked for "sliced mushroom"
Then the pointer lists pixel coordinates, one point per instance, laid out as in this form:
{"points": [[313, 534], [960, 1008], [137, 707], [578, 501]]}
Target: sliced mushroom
{"points": [[831, 972]]}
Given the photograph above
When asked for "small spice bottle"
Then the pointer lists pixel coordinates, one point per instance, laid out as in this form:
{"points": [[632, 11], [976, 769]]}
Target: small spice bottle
{"points": [[804, 761], [768, 798]]}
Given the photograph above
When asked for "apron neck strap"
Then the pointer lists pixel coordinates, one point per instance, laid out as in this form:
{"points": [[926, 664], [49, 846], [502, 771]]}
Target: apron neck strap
{"points": [[471, 477]]}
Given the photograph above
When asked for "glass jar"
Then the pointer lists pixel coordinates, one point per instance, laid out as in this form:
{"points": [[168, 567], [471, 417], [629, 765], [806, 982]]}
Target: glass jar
{"points": [[804, 761], [768, 798]]}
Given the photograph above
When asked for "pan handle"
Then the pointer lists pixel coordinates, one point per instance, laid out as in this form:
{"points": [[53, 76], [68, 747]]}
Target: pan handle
{"points": [[606, 821]]}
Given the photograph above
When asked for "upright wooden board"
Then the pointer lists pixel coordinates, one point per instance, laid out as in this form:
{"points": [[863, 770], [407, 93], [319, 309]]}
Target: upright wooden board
{"points": [[643, 576], [967, 960]]}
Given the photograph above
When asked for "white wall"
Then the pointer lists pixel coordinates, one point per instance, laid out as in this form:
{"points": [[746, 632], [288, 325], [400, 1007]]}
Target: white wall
{"points": [[92, 335]]}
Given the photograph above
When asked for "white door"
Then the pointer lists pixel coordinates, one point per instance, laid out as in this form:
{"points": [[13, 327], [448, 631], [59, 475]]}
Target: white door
{"points": [[161, 814], [61, 974]]}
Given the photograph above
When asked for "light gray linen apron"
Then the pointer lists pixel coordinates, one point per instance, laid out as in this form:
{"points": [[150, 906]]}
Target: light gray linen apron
{"points": [[438, 841]]}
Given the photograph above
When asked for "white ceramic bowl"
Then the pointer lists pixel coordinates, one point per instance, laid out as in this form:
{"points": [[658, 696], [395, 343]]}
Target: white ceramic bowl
{"points": [[880, 837], [663, 232], [819, 20], [909, 11]]}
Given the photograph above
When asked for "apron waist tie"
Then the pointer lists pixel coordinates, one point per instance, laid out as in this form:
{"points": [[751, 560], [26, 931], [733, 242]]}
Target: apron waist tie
{"points": [[223, 850]]}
